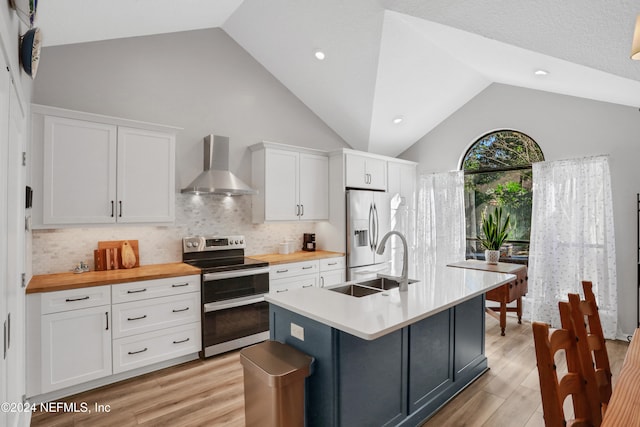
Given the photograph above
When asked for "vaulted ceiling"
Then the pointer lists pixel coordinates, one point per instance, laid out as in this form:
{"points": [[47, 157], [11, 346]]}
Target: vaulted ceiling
{"points": [[385, 59]]}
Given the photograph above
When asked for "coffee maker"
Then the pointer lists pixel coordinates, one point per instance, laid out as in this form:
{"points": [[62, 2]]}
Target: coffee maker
{"points": [[309, 242]]}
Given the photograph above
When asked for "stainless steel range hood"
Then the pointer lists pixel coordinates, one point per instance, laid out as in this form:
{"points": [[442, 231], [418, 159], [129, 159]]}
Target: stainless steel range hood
{"points": [[216, 178]]}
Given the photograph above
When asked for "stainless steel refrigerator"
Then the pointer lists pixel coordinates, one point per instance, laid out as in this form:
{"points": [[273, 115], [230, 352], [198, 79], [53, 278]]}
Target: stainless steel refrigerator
{"points": [[368, 220]]}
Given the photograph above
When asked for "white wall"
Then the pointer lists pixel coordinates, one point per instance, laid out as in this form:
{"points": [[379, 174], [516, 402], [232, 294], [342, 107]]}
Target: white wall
{"points": [[565, 127], [201, 81]]}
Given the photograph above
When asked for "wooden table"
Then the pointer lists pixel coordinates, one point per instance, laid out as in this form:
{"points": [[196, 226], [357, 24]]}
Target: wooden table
{"points": [[505, 294], [624, 406]]}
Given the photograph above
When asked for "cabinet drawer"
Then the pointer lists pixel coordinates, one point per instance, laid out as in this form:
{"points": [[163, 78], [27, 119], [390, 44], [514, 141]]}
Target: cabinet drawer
{"points": [[290, 283], [137, 317], [153, 347], [293, 269], [73, 299], [135, 291], [337, 263]]}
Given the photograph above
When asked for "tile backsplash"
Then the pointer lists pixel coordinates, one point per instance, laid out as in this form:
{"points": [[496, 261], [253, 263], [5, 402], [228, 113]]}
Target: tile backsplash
{"points": [[59, 250]]}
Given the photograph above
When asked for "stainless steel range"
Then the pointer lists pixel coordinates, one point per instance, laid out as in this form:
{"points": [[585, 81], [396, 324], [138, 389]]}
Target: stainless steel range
{"points": [[234, 312]]}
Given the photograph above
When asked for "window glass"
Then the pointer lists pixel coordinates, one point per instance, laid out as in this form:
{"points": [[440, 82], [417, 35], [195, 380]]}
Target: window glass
{"points": [[498, 173]]}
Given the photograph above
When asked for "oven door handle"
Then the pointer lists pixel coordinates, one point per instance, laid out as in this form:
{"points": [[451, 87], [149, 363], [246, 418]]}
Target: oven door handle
{"points": [[223, 305], [234, 273]]}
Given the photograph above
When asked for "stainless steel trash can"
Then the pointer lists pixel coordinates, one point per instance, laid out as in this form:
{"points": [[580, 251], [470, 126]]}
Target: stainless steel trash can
{"points": [[274, 375]]}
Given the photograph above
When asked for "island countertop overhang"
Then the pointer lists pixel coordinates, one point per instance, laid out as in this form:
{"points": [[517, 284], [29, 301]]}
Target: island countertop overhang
{"points": [[376, 315]]}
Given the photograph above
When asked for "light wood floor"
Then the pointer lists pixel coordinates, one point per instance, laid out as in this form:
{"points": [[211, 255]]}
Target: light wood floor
{"points": [[210, 392]]}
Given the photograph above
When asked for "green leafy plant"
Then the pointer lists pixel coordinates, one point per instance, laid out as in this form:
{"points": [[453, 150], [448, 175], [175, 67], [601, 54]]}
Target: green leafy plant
{"points": [[495, 229]]}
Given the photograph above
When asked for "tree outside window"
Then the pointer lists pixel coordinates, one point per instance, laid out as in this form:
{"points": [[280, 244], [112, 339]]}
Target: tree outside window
{"points": [[497, 171]]}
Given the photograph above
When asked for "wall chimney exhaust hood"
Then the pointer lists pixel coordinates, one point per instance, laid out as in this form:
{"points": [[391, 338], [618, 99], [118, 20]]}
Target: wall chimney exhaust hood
{"points": [[216, 177]]}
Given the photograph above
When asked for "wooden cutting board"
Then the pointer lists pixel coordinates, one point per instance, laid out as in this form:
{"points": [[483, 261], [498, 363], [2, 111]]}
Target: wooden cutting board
{"points": [[118, 245]]}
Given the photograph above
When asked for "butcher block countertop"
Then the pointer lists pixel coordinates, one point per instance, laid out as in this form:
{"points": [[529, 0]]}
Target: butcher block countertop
{"points": [[275, 259], [64, 281]]}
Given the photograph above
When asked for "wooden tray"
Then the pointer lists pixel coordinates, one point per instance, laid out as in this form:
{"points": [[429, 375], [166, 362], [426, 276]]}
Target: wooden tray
{"points": [[118, 245]]}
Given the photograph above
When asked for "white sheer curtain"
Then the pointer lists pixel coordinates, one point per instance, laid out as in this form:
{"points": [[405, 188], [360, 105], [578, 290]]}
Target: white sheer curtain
{"points": [[440, 229], [572, 238]]}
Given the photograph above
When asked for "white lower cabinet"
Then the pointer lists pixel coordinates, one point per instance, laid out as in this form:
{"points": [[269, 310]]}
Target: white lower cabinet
{"points": [[76, 347], [150, 330], [332, 271], [293, 275], [141, 350], [296, 275], [80, 335]]}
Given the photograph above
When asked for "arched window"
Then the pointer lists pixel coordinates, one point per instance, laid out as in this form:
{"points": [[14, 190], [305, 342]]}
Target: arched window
{"points": [[497, 170]]}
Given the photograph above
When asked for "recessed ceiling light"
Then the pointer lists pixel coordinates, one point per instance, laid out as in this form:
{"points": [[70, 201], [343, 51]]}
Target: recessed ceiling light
{"points": [[541, 72], [319, 55], [397, 120]]}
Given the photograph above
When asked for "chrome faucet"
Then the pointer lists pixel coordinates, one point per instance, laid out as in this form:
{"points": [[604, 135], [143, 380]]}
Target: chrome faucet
{"points": [[404, 278]]}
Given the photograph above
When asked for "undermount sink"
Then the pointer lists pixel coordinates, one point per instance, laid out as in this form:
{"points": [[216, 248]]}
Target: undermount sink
{"points": [[383, 283], [355, 290]]}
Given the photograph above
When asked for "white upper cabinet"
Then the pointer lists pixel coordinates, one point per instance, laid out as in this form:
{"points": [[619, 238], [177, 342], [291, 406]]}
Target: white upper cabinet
{"points": [[97, 171], [281, 186], [292, 185], [314, 187], [79, 171], [402, 184], [365, 172], [146, 176]]}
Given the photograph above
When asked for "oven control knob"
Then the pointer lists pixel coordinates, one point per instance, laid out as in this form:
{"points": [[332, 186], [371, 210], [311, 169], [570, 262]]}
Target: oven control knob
{"points": [[237, 242], [189, 244], [241, 241]]}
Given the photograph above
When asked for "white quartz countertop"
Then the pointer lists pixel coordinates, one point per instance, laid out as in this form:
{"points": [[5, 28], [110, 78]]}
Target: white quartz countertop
{"points": [[373, 316]]}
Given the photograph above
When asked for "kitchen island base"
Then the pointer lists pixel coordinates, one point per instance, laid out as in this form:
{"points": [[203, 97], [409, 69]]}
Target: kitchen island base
{"points": [[401, 378]]}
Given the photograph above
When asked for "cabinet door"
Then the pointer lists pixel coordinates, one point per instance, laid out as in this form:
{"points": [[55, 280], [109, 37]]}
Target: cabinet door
{"points": [[402, 184], [469, 336], [5, 85], [281, 185], [146, 176], [79, 172], [76, 347], [365, 172], [377, 172], [331, 278], [314, 187], [355, 172]]}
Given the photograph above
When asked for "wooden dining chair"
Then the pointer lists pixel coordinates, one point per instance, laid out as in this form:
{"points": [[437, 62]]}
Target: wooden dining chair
{"points": [[554, 391], [592, 351]]}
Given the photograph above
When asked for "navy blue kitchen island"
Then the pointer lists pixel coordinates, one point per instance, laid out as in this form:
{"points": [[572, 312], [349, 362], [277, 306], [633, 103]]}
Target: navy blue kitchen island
{"points": [[390, 358]]}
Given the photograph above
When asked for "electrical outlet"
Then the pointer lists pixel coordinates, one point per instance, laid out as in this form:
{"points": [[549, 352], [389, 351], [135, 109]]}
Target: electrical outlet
{"points": [[297, 331]]}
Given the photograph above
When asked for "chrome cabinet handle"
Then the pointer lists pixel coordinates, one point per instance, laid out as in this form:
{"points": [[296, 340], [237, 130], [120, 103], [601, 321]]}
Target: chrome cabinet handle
{"points": [[332, 263], [139, 351], [302, 210], [120, 203], [297, 210], [181, 341], [77, 299], [112, 209], [282, 271], [182, 309], [137, 318], [322, 281], [106, 314], [281, 290], [307, 286], [137, 291], [307, 267]]}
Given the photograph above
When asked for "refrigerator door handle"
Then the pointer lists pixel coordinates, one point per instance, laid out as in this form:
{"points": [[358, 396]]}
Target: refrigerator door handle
{"points": [[376, 220], [371, 226]]}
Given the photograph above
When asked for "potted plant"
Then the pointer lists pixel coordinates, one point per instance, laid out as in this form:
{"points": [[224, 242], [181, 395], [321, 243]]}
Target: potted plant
{"points": [[495, 230]]}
